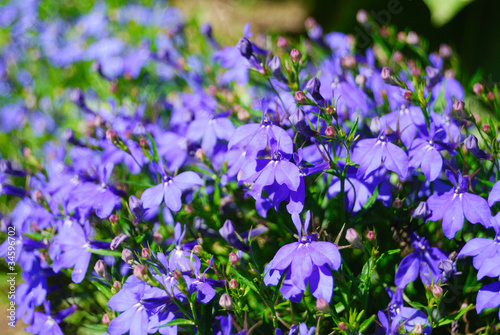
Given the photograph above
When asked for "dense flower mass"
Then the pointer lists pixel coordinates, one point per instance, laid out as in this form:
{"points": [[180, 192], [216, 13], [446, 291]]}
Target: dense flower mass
{"points": [[151, 177]]}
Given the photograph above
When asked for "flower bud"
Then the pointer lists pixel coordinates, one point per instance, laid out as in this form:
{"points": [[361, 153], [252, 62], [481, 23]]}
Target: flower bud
{"points": [[100, 268], [282, 42], [313, 86], [300, 97], [401, 36], [177, 275], [342, 326], [105, 319], [361, 79], [295, 55], [145, 253], [486, 127], [197, 249], [136, 207], [322, 305], [142, 142], [422, 211], [245, 47], [111, 135], [362, 16], [371, 235], [233, 284], [491, 95], [458, 105], [310, 22], [233, 258], [407, 95], [157, 237], [330, 131], [113, 218], [385, 73], [412, 38], [445, 50], [117, 241], [397, 57], [478, 88], [275, 67], [437, 291], [127, 256], [331, 110], [353, 238], [141, 272], [417, 329], [200, 154], [37, 195], [397, 203], [473, 147], [226, 302], [117, 285]]}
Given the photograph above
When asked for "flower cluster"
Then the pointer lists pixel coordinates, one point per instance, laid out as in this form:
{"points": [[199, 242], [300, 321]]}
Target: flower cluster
{"points": [[154, 181]]}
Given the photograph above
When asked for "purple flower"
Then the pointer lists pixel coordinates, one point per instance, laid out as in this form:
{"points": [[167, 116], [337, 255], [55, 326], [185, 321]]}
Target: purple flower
{"points": [[210, 128], [170, 189], [423, 261], [397, 319], [297, 330], [226, 326], [47, 324], [204, 287], [485, 252], [488, 297], [305, 262], [372, 152], [452, 206], [181, 257]]}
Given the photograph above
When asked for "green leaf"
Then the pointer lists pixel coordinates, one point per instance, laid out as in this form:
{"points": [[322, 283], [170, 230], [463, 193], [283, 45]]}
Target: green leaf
{"points": [[135, 183], [179, 322], [450, 318], [366, 324], [393, 251], [105, 252], [246, 281], [103, 289], [155, 149]]}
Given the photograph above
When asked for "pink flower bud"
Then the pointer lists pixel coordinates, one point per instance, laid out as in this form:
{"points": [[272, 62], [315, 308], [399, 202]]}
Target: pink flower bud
{"points": [[111, 135], [226, 302], [352, 237], [127, 256], [385, 73], [486, 128], [117, 285], [282, 42], [145, 253], [233, 284], [458, 105], [105, 319], [371, 235], [233, 258], [141, 272], [295, 55], [157, 237], [342, 326], [113, 218], [100, 268], [197, 249], [330, 131], [362, 16], [322, 305], [478, 88], [300, 97]]}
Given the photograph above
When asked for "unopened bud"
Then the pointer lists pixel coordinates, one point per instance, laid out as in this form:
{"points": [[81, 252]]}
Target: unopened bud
{"points": [[233, 284], [37, 195], [117, 285], [397, 57], [322, 305], [331, 110], [478, 88], [44, 256], [330, 131], [412, 38], [111, 135], [371, 235], [300, 97], [310, 22], [105, 319], [342, 326], [418, 329], [361, 79], [348, 61], [233, 258], [401, 36], [141, 272], [295, 55], [177, 275], [197, 249], [127, 256], [437, 291], [245, 47], [200, 154], [486, 128], [444, 50], [100, 268], [397, 203], [491, 95], [385, 73], [407, 95], [353, 238], [361, 16], [145, 253], [188, 209], [157, 237], [422, 211], [113, 218], [142, 142], [282, 42], [458, 105], [226, 302]]}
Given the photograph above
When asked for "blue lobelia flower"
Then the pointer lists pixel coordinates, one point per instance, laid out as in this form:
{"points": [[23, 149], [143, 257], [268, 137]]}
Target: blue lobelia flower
{"points": [[424, 152], [47, 324], [452, 206], [297, 330], [204, 287], [422, 261], [170, 189], [257, 136], [305, 262], [181, 257], [226, 326], [397, 319], [488, 297], [209, 128], [485, 252], [370, 153]]}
